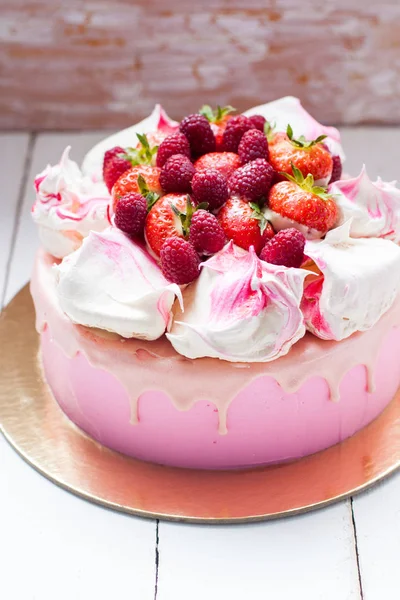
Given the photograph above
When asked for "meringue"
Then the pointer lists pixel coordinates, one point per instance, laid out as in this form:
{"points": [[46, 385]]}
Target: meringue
{"points": [[357, 281], [68, 206], [112, 283], [158, 120], [373, 206], [288, 110], [240, 309]]}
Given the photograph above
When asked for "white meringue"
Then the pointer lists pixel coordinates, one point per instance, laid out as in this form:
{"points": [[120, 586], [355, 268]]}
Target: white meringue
{"points": [[68, 206], [374, 207], [158, 121], [241, 309], [288, 110], [358, 282], [112, 283]]}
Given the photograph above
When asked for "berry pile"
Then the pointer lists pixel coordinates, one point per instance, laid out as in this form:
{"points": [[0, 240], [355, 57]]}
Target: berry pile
{"points": [[222, 177]]}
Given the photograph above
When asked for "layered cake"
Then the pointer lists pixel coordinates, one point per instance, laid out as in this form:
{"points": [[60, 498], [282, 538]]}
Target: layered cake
{"points": [[214, 293]]}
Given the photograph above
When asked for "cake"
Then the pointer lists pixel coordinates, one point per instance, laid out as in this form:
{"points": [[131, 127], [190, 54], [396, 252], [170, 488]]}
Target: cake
{"points": [[214, 293]]}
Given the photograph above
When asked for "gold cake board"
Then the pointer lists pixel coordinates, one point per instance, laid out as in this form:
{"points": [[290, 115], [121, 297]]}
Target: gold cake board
{"points": [[35, 426]]}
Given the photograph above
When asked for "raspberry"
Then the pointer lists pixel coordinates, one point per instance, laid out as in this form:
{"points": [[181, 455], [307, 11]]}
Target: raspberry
{"points": [[258, 122], [210, 186], [336, 169], [199, 133], [224, 162], [252, 181], [179, 261], [234, 130], [130, 213], [253, 145], [115, 164], [176, 143], [177, 173], [206, 234], [285, 248]]}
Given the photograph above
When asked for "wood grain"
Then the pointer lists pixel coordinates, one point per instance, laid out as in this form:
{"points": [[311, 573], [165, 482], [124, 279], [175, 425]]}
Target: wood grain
{"points": [[104, 63]]}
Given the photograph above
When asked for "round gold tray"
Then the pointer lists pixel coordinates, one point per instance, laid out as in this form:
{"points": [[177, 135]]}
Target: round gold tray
{"points": [[35, 426]]}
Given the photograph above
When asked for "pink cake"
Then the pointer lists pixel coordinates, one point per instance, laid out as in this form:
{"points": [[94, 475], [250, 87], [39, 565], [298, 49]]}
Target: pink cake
{"points": [[264, 343]]}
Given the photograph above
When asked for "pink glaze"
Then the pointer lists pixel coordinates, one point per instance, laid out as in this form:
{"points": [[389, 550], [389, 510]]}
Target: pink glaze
{"points": [[142, 399]]}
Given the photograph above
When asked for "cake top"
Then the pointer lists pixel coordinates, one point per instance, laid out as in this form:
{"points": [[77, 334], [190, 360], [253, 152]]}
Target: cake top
{"points": [[230, 233]]}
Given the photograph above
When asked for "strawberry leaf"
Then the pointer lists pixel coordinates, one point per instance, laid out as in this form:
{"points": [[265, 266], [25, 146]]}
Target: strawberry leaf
{"points": [[142, 185], [301, 141], [207, 112], [151, 198], [257, 214], [215, 116], [202, 206]]}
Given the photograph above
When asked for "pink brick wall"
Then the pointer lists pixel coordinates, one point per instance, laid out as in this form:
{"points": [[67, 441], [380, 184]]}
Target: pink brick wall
{"points": [[103, 63]]}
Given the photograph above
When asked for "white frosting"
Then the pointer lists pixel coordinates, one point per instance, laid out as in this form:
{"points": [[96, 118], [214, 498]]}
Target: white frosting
{"points": [[68, 206], [279, 222], [157, 121], [241, 309], [288, 110], [112, 283], [359, 282], [374, 207]]}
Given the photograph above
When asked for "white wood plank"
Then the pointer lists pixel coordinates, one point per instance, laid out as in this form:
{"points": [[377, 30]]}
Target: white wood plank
{"points": [[59, 546], [310, 557], [377, 517], [13, 148]]}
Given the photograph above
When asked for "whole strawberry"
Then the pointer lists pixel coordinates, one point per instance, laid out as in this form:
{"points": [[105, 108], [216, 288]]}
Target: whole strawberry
{"points": [[245, 224], [336, 169], [307, 207], [224, 162], [199, 133], [162, 221], [206, 234], [252, 181], [179, 261], [285, 248], [210, 186], [308, 156], [258, 122], [128, 182], [177, 174], [218, 120], [234, 131], [115, 163], [130, 213], [176, 143], [253, 145]]}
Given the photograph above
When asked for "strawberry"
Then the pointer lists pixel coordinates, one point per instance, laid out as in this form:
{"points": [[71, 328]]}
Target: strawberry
{"points": [[218, 120], [305, 205], [162, 221], [115, 164], [224, 162], [128, 182], [245, 224], [307, 156]]}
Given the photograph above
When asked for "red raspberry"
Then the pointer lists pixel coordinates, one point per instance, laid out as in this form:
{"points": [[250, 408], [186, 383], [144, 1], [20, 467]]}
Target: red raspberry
{"points": [[198, 131], [235, 128], [252, 181], [177, 173], [179, 261], [130, 213], [336, 169], [176, 143], [285, 248], [115, 164], [258, 122], [206, 234], [210, 186], [253, 145]]}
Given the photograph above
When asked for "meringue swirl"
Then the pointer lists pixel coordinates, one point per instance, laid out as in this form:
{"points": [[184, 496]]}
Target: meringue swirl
{"points": [[241, 309], [112, 283], [68, 206]]}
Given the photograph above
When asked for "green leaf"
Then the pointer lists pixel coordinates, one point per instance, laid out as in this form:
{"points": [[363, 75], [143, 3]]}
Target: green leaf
{"points": [[143, 140], [214, 116], [202, 206], [175, 210], [207, 112], [320, 138], [142, 184], [257, 214], [289, 131], [151, 198]]}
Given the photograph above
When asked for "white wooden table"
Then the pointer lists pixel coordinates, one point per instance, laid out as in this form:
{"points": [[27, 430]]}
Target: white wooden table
{"points": [[55, 546]]}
